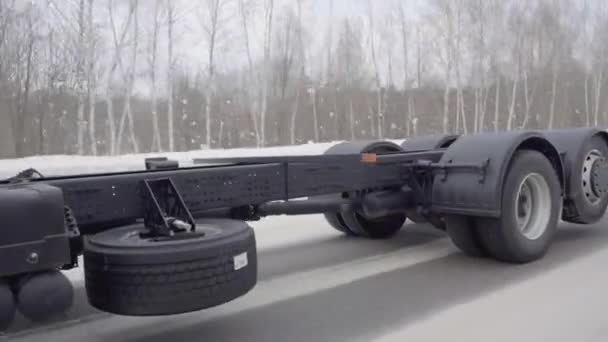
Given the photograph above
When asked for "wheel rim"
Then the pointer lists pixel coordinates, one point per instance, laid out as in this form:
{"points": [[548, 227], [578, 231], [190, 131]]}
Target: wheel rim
{"points": [[590, 195], [533, 206]]}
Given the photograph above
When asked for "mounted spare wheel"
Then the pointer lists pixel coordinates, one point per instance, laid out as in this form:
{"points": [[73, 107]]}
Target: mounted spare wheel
{"points": [[589, 183], [129, 273], [531, 203], [351, 222]]}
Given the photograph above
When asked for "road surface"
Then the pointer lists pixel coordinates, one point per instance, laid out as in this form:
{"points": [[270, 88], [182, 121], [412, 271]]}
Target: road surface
{"points": [[316, 285]]}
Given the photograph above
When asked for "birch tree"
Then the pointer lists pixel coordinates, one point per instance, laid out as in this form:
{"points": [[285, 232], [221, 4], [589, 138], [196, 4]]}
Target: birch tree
{"points": [[119, 40], [153, 61], [267, 67], [211, 22], [445, 30], [406, 77], [302, 73], [171, 20], [517, 26], [92, 44], [129, 76], [244, 13], [378, 82], [81, 79], [349, 65], [599, 54]]}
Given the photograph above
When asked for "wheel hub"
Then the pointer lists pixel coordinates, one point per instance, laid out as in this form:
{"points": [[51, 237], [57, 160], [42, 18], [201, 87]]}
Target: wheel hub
{"points": [[594, 177], [533, 206]]}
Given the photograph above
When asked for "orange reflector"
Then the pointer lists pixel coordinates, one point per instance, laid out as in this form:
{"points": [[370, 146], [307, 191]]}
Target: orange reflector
{"points": [[369, 158]]}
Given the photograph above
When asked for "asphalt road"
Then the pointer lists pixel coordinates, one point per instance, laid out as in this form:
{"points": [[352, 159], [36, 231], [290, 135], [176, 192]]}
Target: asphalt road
{"points": [[316, 285]]}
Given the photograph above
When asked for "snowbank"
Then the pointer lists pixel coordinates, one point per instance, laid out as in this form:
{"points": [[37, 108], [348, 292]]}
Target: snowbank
{"points": [[56, 165], [59, 165]]}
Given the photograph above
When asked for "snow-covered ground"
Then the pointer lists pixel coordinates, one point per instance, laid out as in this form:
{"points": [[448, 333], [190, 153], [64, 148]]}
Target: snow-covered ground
{"points": [[56, 165]]}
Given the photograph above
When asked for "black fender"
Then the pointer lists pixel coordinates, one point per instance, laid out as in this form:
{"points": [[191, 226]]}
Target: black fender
{"points": [[362, 146], [570, 144], [428, 142], [468, 191]]}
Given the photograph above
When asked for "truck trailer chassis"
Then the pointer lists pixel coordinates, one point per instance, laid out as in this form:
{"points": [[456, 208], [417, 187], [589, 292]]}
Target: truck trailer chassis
{"points": [[171, 240]]}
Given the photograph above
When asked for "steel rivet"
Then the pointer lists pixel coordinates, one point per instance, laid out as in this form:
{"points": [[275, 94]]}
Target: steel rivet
{"points": [[33, 258]]}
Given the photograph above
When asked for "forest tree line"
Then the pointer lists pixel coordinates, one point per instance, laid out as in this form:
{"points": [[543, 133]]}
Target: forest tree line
{"points": [[108, 77]]}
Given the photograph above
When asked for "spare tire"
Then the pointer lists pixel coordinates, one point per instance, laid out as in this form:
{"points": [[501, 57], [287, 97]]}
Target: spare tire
{"points": [[128, 274]]}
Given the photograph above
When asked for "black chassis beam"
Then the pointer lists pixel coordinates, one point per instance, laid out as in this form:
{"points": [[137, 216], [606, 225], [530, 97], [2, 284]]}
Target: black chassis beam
{"points": [[104, 201]]}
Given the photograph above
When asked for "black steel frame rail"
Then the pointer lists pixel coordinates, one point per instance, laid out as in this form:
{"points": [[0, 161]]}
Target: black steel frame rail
{"points": [[105, 200]]}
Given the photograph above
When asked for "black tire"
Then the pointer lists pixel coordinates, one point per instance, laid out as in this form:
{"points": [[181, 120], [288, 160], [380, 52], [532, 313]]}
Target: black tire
{"points": [[414, 216], [352, 223], [380, 228], [8, 307], [128, 275], [44, 295], [337, 222], [502, 236], [578, 209], [464, 235]]}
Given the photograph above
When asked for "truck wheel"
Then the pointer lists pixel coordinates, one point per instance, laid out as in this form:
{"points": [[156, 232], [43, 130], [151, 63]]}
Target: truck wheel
{"points": [[464, 235], [337, 222], [380, 228], [352, 223], [128, 274], [531, 204], [44, 295], [8, 307], [591, 198]]}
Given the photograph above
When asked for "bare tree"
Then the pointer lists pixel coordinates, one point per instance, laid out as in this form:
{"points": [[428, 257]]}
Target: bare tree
{"points": [[406, 77], [372, 45], [23, 99], [267, 67], [91, 76], [116, 61], [244, 10], [81, 60], [478, 16], [171, 19], [287, 52], [211, 22], [600, 43], [329, 43], [517, 26], [153, 61], [129, 77], [302, 73], [497, 35], [349, 65], [446, 13], [458, 66]]}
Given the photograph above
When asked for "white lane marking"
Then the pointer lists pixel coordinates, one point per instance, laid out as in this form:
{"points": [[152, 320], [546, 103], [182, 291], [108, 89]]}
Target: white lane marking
{"points": [[566, 304], [265, 293]]}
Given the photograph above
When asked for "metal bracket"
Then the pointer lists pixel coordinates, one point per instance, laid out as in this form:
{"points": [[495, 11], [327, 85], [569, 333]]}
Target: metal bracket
{"points": [[165, 212], [161, 163], [480, 168]]}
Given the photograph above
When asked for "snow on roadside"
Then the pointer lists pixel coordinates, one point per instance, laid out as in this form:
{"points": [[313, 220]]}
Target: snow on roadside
{"points": [[60, 165], [57, 165]]}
